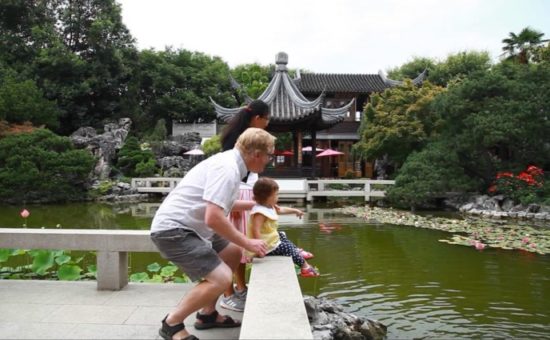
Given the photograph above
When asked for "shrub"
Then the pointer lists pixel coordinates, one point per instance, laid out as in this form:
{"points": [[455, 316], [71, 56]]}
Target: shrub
{"points": [[526, 187], [212, 146], [133, 161], [426, 174], [42, 167]]}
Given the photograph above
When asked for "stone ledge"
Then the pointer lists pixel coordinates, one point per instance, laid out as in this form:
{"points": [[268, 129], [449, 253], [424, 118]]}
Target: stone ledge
{"points": [[275, 307]]}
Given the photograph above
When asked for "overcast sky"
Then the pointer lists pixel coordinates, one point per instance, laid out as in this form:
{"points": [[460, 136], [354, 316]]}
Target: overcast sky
{"points": [[337, 36]]}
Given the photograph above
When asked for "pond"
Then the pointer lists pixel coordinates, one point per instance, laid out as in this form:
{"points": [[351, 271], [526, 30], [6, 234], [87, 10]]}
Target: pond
{"points": [[401, 276]]}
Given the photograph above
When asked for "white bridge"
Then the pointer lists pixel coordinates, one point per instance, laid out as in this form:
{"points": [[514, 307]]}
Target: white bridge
{"points": [[289, 189]]}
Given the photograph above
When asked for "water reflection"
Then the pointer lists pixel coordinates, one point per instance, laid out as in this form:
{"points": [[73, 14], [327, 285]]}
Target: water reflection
{"points": [[401, 276]]}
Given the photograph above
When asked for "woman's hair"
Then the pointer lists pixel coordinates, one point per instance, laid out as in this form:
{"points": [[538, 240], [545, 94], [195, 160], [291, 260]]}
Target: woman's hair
{"points": [[263, 188], [241, 121]]}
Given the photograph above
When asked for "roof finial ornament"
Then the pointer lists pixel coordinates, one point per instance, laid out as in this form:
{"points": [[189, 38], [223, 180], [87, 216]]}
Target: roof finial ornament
{"points": [[281, 59]]}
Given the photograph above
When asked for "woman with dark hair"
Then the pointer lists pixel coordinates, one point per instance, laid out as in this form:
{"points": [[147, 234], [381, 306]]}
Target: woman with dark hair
{"points": [[255, 114]]}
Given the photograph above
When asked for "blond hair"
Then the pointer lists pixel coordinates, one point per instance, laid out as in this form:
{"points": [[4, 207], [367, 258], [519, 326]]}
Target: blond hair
{"points": [[255, 139]]}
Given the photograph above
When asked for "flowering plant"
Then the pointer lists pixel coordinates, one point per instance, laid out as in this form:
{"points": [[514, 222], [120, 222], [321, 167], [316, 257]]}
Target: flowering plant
{"points": [[523, 187]]}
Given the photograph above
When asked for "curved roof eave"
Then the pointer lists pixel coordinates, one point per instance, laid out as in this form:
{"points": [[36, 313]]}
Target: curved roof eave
{"points": [[391, 82], [223, 113], [335, 115]]}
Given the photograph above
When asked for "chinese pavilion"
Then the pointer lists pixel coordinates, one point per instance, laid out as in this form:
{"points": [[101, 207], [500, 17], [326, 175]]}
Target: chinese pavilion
{"points": [[321, 111]]}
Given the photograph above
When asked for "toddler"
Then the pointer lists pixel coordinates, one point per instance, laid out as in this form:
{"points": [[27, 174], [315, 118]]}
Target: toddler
{"points": [[263, 224]]}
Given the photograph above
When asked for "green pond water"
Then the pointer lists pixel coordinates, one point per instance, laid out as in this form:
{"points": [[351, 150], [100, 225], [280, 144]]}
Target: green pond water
{"points": [[401, 276]]}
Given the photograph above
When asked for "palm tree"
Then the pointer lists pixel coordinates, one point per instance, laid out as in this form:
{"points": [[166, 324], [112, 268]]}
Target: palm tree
{"points": [[521, 45]]}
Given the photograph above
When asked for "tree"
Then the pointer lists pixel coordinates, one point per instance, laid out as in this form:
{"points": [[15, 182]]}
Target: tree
{"points": [[455, 66], [412, 69], [42, 167], [22, 101], [459, 66], [254, 78], [398, 121], [78, 52], [520, 46], [176, 85], [498, 119], [427, 174]]}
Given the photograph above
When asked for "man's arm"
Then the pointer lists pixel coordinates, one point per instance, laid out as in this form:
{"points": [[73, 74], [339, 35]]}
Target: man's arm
{"points": [[215, 218]]}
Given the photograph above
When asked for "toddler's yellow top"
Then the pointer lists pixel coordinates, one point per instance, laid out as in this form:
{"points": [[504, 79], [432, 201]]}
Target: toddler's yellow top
{"points": [[268, 231]]}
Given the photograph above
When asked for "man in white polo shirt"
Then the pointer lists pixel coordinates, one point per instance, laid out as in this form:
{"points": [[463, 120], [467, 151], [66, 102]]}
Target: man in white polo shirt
{"points": [[192, 230]]}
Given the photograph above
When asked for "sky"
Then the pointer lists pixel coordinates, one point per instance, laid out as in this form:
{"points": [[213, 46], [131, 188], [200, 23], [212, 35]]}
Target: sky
{"points": [[336, 36]]}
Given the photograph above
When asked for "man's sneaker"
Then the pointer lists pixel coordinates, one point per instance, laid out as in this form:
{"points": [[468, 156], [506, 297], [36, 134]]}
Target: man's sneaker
{"points": [[241, 294], [233, 302]]}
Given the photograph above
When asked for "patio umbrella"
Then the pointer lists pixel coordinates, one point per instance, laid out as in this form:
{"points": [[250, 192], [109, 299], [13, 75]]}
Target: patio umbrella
{"points": [[308, 148], [194, 152], [283, 153], [329, 152]]}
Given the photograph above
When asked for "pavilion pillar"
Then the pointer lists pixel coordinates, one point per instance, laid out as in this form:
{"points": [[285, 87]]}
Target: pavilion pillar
{"points": [[313, 151], [298, 148], [294, 149]]}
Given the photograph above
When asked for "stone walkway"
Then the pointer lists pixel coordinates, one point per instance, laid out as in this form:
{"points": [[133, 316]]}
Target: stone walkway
{"points": [[31, 309]]}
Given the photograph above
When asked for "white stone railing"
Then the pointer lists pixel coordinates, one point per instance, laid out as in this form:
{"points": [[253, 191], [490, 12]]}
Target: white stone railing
{"points": [[298, 188], [363, 188], [155, 184], [112, 247]]}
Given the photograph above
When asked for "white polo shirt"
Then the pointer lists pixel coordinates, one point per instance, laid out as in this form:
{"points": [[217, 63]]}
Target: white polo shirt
{"points": [[216, 180]]}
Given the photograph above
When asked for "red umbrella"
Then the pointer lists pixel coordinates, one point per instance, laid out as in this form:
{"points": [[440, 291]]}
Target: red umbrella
{"points": [[329, 152], [283, 153]]}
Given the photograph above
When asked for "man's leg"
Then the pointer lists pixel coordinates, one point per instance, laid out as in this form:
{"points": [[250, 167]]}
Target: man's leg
{"points": [[205, 294]]}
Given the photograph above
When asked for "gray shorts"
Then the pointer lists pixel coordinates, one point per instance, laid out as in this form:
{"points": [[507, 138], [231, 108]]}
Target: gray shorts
{"points": [[187, 250]]}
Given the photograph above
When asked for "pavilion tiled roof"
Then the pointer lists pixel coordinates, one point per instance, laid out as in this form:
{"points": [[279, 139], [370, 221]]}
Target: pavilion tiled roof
{"points": [[289, 106], [354, 83]]}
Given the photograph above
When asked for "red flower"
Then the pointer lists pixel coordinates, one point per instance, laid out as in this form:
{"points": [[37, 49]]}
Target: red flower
{"points": [[534, 170], [524, 176], [504, 174], [492, 188]]}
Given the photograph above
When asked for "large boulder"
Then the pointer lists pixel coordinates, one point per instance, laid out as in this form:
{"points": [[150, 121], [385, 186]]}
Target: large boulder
{"points": [[329, 321], [103, 146], [177, 145]]}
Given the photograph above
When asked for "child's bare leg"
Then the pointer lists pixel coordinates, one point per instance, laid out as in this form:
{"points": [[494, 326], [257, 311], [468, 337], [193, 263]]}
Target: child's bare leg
{"points": [[229, 291], [240, 279]]}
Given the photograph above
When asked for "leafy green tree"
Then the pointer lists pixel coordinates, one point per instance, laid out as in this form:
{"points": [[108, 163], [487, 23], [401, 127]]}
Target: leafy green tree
{"points": [[412, 69], [134, 162], [398, 121], [541, 54], [254, 79], [458, 66], [176, 85], [22, 101], [455, 66], [42, 167], [78, 52], [427, 174], [22, 27], [520, 46], [499, 119]]}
